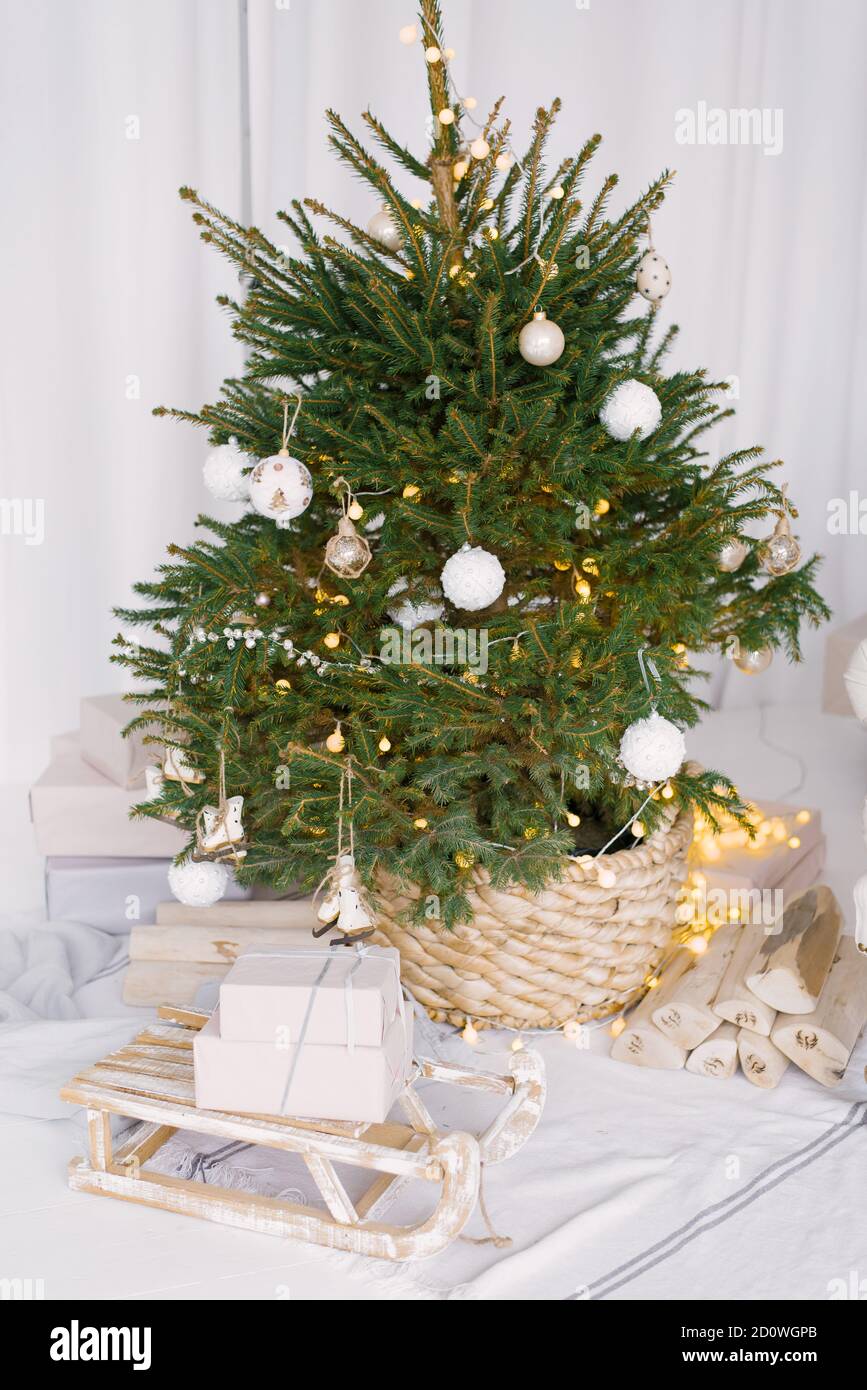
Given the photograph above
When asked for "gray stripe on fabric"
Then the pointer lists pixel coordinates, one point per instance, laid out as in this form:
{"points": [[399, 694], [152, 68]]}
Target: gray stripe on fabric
{"points": [[855, 1117]]}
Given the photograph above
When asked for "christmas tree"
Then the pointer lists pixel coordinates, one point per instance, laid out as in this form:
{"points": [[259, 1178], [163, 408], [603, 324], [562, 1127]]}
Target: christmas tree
{"points": [[485, 528]]}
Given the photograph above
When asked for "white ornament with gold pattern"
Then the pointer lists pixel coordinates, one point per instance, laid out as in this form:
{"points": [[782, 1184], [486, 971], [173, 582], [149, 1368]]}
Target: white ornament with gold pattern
{"points": [[281, 486]]}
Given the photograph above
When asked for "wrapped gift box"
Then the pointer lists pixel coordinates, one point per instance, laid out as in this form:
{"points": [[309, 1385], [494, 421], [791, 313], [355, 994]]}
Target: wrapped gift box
{"points": [[329, 1082], [112, 894], [61, 745], [121, 760], [267, 992], [76, 811], [840, 647], [786, 835]]}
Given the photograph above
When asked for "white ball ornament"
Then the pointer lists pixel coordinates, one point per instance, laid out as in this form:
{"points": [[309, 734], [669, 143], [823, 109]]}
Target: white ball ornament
{"points": [[653, 278], [198, 885], [541, 341], [408, 34], [631, 407], [472, 578], [652, 749], [223, 472], [281, 487], [383, 228]]}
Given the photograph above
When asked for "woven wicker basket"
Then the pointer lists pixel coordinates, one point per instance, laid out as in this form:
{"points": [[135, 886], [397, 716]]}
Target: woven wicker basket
{"points": [[577, 950]]}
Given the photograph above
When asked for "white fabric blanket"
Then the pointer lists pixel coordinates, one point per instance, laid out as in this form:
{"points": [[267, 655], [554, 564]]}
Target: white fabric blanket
{"points": [[638, 1184], [60, 1009]]}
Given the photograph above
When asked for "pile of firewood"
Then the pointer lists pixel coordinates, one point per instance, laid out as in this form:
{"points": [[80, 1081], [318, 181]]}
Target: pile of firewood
{"points": [[795, 991]]}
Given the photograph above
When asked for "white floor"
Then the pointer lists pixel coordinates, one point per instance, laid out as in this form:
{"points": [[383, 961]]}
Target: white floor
{"points": [[91, 1247]]}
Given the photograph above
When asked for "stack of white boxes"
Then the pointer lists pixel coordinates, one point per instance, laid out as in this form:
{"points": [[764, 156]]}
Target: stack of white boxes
{"points": [[101, 867], [310, 1032]]}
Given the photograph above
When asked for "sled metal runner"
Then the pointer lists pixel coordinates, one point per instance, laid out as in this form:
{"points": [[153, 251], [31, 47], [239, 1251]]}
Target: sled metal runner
{"points": [[151, 1080]]}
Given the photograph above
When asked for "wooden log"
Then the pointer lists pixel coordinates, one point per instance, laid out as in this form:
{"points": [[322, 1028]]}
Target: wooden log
{"points": [[761, 1061], [717, 1055], [685, 1014], [208, 944], [822, 1043], [641, 1043], [155, 981], [274, 915], [792, 963], [735, 1000]]}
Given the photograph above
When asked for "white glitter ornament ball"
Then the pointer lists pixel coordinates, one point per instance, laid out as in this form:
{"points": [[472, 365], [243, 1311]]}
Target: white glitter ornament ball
{"points": [[631, 406], [198, 885], [281, 487], [472, 578], [540, 341], [224, 476], [653, 278], [652, 749], [383, 228], [732, 554]]}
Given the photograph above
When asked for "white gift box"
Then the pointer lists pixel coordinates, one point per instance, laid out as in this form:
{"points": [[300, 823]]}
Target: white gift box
{"points": [[319, 1081], [840, 646], [353, 996], [114, 894], [121, 760], [795, 856], [76, 811]]}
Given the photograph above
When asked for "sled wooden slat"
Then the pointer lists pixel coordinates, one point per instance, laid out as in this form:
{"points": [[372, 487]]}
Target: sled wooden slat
{"points": [[134, 1065], [164, 1035], [154, 1053], [151, 1079], [189, 1017]]}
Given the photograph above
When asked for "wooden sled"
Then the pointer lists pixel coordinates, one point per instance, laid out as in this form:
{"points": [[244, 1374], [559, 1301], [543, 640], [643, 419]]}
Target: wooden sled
{"points": [[151, 1079]]}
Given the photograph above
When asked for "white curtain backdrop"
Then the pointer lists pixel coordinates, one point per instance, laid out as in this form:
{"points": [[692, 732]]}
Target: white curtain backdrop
{"points": [[107, 106]]}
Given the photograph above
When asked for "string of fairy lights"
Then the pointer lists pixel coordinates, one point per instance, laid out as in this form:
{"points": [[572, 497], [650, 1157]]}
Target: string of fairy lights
{"points": [[479, 148]]}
